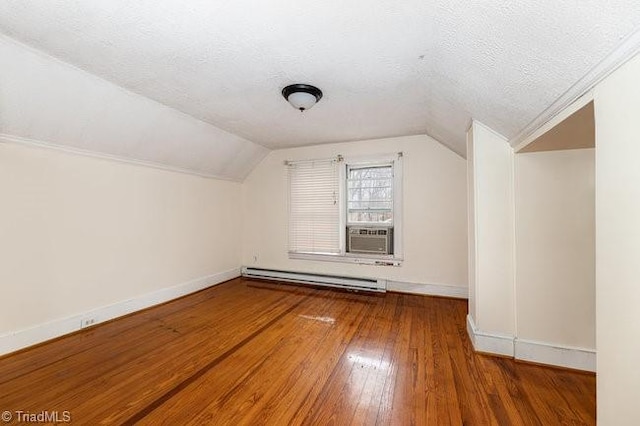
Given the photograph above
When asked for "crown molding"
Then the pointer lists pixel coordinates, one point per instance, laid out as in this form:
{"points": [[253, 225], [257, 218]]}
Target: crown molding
{"points": [[629, 47]]}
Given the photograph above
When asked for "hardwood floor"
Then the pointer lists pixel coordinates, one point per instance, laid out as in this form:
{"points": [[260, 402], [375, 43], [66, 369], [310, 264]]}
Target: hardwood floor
{"points": [[251, 352]]}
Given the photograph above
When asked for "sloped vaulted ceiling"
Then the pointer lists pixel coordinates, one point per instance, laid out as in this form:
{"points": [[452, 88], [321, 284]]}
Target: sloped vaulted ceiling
{"points": [[387, 67], [47, 102]]}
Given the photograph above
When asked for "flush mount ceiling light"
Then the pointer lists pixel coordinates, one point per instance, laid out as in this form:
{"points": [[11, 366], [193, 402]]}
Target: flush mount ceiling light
{"points": [[302, 96]]}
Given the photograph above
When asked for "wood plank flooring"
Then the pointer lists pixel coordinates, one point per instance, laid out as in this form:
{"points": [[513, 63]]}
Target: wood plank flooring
{"points": [[251, 352]]}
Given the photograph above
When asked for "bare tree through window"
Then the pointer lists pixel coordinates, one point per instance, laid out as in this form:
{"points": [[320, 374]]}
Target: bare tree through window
{"points": [[370, 194]]}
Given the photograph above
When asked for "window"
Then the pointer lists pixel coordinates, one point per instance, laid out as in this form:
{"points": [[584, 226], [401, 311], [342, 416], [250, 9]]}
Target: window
{"points": [[370, 194], [346, 210]]}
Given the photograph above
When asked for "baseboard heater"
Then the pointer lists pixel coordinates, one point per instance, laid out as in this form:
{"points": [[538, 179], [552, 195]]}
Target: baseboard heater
{"points": [[352, 283]]}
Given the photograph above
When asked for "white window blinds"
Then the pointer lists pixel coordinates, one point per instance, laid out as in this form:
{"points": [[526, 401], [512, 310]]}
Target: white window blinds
{"points": [[314, 208]]}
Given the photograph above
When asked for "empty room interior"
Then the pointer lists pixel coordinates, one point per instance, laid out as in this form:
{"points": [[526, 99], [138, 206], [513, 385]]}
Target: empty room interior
{"points": [[283, 213]]}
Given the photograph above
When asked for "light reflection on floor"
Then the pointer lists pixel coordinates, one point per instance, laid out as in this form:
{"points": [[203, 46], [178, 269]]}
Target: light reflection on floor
{"points": [[329, 320], [364, 361], [367, 378]]}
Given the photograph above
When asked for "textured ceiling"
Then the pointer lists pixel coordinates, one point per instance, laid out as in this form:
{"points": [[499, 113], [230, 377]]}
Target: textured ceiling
{"points": [[387, 67], [47, 102]]}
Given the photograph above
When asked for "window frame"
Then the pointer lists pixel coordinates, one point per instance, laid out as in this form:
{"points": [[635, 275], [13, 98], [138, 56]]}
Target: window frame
{"points": [[369, 165]]}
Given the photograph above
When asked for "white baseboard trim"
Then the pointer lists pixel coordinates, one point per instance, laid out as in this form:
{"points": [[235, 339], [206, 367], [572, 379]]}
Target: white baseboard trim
{"points": [[489, 343], [13, 341], [561, 356], [428, 289], [531, 351]]}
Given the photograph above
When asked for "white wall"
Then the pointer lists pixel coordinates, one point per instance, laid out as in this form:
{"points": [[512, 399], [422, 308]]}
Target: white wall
{"points": [[491, 165], [555, 247], [617, 113], [79, 233], [435, 212]]}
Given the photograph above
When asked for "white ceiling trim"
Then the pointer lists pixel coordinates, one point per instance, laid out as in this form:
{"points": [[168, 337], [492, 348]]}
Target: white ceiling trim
{"points": [[17, 140], [579, 94]]}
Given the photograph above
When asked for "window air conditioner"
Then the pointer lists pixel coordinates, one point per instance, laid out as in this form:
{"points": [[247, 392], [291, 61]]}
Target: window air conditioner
{"points": [[369, 240]]}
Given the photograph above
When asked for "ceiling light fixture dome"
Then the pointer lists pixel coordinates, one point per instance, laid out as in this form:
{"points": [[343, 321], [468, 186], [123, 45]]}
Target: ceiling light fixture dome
{"points": [[302, 96]]}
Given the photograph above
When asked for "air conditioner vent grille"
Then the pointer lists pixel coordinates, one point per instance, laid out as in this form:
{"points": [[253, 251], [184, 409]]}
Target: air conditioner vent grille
{"points": [[369, 240]]}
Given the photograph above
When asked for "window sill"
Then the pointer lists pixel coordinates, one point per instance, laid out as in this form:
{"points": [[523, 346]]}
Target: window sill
{"points": [[350, 258]]}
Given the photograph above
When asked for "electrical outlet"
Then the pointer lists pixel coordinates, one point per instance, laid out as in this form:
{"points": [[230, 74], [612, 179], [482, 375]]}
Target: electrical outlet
{"points": [[87, 322]]}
